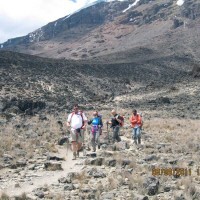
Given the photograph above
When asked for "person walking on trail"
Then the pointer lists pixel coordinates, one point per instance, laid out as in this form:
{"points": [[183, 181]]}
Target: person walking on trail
{"points": [[96, 125], [116, 123], [136, 124], [77, 122]]}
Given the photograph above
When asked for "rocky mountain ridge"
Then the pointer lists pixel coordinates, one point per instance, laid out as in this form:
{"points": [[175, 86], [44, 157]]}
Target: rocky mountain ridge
{"points": [[105, 28]]}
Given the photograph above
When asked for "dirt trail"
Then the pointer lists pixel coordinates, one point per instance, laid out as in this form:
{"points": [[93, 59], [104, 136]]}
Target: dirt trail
{"points": [[40, 178]]}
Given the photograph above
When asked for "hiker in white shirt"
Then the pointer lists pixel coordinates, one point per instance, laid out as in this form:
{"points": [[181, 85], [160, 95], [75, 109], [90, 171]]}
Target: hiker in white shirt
{"points": [[77, 121]]}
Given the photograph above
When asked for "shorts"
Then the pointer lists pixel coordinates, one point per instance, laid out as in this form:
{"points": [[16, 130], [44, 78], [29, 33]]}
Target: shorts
{"points": [[77, 136]]}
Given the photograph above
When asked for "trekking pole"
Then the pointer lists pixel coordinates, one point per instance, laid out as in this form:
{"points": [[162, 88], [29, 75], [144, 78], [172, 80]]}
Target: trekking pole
{"points": [[108, 133], [84, 151], [68, 142]]}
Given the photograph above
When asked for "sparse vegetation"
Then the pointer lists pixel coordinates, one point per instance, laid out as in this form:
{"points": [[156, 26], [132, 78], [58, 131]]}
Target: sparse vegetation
{"points": [[154, 70]]}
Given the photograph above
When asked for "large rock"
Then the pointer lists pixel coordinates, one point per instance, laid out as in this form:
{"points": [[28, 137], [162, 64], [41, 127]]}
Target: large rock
{"points": [[69, 187], [95, 161], [151, 184], [96, 173], [53, 157], [52, 166], [63, 140]]}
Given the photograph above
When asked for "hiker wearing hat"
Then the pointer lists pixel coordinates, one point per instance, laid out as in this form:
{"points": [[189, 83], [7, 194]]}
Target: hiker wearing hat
{"points": [[136, 124], [77, 122], [96, 125]]}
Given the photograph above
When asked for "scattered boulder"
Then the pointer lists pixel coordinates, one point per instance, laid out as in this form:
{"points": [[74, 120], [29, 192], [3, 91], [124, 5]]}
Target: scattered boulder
{"points": [[65, 180], [69, 187], [93, 154], [63, 140], [96, 173], [150, 158], [52, 166], [111, 162], [96, 161], [52, 157], [177, 23], [151, 184], [125, 163]]}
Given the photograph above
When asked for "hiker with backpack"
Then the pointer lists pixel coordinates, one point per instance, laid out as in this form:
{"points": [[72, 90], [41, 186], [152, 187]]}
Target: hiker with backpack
{"points": [[116, 122], [77, 122], [96, 128], [136, 124]]}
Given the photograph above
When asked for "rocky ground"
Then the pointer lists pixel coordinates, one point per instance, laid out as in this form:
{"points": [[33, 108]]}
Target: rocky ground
{"points": [[116, 171], [146, 58], [36, 95]]}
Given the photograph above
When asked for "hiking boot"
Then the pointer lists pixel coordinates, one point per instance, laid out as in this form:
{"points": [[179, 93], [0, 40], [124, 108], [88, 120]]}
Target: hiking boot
{"points": [[88, 148], [99, 146], [94, 149], [77, 154], [74, 156], [135, 141], [139, 140]]}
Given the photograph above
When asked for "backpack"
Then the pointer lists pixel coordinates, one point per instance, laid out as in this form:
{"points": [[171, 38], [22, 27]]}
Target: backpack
{"points": [[142, 122], [122, 121]]}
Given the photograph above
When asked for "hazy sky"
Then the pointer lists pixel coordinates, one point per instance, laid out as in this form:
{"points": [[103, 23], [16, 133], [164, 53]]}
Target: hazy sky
{"points": [[19, 17]]}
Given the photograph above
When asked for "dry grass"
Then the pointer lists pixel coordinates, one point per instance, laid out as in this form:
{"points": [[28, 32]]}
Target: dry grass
{"points": [[23, 133], [4, 196], [180, 133]]}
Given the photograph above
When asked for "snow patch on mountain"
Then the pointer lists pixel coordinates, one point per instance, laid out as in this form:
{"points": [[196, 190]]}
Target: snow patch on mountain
{"points": [[131, 5], [91, 4], [180, 2]]}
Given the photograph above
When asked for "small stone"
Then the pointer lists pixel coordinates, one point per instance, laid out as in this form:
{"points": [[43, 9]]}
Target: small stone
{"points": [[17, 185], [96, 161], [53, 157], [167, 188], [111, 162], [150, 158], [39, 194], [69, 187], [65, 180], [173, 161]]}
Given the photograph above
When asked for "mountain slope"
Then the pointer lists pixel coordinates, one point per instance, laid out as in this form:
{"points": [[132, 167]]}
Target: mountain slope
{"points": [[109, 27], [30, 82]]}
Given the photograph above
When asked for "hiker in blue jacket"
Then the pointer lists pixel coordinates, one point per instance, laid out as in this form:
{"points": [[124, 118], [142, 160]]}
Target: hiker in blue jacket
{"points": [[96, 125]]}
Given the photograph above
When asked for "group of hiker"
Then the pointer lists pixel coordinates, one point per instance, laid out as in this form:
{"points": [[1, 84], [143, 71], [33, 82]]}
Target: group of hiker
{"points": [[77, 123]]}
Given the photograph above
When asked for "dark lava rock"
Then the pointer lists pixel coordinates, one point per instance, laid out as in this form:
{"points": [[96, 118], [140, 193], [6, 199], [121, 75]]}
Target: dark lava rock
{"points": [[52, 166], [69, 187], [95, 161], [111, 162], [151, 184], [96, 173]]}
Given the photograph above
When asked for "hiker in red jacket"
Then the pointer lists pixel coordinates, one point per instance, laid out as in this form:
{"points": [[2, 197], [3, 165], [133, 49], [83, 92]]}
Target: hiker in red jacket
{"points": [[77, 121], [136, 124]]}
